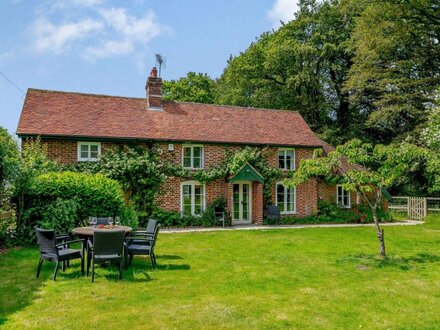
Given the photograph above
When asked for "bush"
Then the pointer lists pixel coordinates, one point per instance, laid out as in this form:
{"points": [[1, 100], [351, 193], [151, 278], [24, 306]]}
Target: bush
{"points": [[129, 216], [8, 228], [331, 213], [60, 215], [95, 194], [206, 219]]}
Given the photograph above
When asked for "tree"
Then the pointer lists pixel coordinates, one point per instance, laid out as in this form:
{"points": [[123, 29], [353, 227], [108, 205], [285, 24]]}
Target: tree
{"points": [[139, 170], [195, 87], [396, 69], [431, 139], [361, 167], [302, 66], [9, 159]]}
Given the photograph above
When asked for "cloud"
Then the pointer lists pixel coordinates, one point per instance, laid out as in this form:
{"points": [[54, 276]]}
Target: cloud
{"points": [[283, 10], [59, 38], [130, 32], [94, 32]]}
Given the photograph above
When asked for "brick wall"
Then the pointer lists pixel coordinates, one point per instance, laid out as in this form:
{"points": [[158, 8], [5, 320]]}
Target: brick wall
{"points": [[327, 193], [65, 151]]}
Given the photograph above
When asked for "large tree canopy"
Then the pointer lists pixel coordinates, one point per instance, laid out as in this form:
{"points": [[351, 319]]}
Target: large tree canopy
{"points": [[302, 66], [396, 69], [195, 87]]}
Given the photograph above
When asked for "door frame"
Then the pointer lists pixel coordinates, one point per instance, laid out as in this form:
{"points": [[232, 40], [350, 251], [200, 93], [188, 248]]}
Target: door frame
{"points": [[241, 182]]}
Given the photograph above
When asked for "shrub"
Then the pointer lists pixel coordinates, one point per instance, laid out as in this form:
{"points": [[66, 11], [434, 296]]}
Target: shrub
{"points": [[95, 194], [60, 215], [8, 228], [206, 219], [129, 216], [331, 213]]}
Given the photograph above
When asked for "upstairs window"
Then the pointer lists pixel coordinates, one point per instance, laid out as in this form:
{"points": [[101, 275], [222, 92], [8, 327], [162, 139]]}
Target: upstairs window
{"points": [[286, 159], [192, 199], [192, 156], [286, 199], [342, 197], [89, 151]]}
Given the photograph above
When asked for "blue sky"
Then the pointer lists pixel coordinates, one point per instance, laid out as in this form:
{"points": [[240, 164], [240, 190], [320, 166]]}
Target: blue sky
{"points": [[108, 47]]}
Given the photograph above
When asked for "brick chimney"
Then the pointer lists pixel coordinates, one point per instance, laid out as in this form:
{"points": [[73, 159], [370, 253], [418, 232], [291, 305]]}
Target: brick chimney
{"points": [[154, 91]]}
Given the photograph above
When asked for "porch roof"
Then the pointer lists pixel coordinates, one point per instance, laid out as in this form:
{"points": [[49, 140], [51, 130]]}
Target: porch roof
{"points": [[247, 173]]}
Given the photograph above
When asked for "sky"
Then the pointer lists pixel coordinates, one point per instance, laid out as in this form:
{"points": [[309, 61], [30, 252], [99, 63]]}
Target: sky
{"points": [[108, 46]]}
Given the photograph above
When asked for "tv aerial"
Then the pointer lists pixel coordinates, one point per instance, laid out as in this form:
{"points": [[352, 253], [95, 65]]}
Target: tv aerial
{"points": [[161, 61]]}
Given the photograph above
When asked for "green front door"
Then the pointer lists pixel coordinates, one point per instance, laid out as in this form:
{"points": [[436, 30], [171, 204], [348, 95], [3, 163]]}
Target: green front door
{"points": [[241, 202]]}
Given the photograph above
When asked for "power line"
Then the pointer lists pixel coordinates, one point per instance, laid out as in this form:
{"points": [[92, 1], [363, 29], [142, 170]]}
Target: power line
{"points": [[12, 83]]}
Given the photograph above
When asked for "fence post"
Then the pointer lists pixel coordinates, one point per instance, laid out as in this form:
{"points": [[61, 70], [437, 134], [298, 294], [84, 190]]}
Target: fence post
{"points": [[425, 207], [408, 208]]}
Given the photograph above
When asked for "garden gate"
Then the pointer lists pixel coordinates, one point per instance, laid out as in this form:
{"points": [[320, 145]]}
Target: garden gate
{"points": [[416, 208]]}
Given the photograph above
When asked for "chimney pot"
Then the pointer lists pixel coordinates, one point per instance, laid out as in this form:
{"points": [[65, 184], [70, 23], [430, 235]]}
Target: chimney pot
{"points": [[153, 72]]}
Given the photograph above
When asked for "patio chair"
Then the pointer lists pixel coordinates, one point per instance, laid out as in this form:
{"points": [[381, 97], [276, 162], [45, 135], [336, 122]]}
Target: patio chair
{"points": [[141, 246], [102, 221], [219, 215], [57, 252], [273, 213], [139, 235], [107, 246]]}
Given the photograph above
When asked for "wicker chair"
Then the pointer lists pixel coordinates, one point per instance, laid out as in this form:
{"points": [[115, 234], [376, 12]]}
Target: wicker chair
{"points": [[141, 246], [140, 235], [107, 246], [57, 252], [273, 213]]}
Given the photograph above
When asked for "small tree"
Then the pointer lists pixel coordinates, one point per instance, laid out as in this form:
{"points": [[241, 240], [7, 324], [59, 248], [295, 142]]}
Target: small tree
{"points": [[9, 160], [363, 168]]}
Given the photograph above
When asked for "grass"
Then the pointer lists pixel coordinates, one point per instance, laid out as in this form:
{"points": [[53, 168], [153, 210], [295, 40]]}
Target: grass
{"points": [[296, 278]]}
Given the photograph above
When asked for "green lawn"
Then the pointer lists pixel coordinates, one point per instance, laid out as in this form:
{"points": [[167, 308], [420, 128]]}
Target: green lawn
{"points": [[296, 278]]}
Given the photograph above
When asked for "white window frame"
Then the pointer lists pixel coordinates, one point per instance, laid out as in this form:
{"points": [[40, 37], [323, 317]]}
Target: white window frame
{"points": [[192, 183], [202, 161], [341, 205], [285, 159], [88, 159], [280, 183]]}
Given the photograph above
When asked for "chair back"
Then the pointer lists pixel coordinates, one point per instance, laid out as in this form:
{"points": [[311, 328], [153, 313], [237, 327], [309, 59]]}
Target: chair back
{"points": [[155, 236], [108, 241], [151, 226], [273, 212], [102, 221], [46, 240]]}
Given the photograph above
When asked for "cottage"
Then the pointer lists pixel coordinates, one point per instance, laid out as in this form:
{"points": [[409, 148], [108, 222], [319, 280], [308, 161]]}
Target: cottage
{"points": [[80, 127]]}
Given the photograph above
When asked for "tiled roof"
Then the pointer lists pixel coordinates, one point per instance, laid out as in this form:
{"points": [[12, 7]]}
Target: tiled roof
{"points": [[66, 114]]}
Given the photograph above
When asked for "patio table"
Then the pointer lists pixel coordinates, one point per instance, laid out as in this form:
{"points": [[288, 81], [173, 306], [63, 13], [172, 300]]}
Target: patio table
{"points": [[87, 232]]}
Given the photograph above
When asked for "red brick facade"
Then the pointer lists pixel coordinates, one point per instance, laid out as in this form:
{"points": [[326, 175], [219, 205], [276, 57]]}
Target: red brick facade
{"points": [[307, 194]]}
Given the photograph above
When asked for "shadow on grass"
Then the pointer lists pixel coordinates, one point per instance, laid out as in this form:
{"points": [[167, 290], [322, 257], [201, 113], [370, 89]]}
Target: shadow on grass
{"points": [[365, 261]]}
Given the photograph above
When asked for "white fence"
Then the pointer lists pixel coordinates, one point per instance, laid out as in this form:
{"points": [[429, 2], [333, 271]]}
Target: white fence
{"points": [[415, 207]]}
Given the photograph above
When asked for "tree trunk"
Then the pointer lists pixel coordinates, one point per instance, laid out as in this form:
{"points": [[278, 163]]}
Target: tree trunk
{"points": [[380, 233]]}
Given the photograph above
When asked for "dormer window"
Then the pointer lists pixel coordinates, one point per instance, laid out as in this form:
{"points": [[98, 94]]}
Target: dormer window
{"points": [[192, 156], [89, 151], [286, 159]]}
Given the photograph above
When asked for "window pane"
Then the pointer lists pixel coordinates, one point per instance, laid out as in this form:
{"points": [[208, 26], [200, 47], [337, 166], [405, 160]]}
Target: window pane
{"points": [[290, 159], [93, 151], [197, 162], [84, 154], [186, 190], [236, 201], [186, 161], [281, 159], [85, 148], [290, 199], [280, 197], [197, 152]]}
